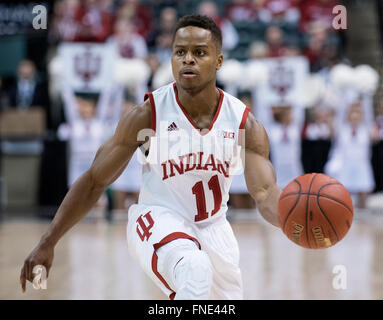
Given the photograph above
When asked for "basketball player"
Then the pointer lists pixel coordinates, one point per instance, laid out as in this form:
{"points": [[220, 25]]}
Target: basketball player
{"points": [[178, 231]]}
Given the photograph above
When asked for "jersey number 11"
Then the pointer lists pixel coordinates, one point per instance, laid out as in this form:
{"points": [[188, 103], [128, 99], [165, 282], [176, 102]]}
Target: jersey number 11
{"points": [[199, 193]]}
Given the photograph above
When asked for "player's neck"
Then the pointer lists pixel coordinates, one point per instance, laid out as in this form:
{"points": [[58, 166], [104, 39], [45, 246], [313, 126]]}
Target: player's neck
{"points": [[204, 101]]}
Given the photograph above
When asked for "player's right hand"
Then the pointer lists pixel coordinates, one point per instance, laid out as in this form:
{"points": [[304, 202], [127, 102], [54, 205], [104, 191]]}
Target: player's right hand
{"points": [[41, 255]]}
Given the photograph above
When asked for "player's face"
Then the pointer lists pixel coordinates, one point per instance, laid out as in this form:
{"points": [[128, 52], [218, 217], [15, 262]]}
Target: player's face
{"points": [[195, 58]]}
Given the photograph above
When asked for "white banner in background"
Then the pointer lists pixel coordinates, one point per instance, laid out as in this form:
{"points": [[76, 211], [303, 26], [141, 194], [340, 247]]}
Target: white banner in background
{"points": [[286, 82], [88, 67]]}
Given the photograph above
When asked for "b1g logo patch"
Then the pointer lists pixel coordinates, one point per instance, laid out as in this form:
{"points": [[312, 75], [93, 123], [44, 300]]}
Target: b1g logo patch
{"points": [[143, 227]]}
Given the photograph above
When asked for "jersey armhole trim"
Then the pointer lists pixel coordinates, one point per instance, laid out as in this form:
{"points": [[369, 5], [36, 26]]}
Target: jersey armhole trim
{"points": [[242, 125], [153, 107], [156, 246], [244, 118]]}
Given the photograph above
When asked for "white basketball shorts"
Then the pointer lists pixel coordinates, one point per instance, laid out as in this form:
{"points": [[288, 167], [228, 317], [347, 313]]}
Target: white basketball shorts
{"points": [[151, 227]]}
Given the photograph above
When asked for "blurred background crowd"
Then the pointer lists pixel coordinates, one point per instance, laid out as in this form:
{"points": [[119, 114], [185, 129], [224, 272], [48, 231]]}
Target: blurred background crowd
{"points": [[51, 127]]}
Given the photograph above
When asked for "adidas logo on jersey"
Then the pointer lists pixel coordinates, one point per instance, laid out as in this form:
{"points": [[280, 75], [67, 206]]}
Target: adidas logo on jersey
{"points": [[172, 127]]}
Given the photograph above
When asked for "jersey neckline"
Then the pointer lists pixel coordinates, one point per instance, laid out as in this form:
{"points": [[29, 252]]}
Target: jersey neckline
{"points": [[191, 120]]}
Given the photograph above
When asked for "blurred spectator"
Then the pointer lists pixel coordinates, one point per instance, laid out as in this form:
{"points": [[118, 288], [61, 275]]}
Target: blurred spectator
{"points": [[285, 143], [166, 24], [258, 50], [64, 24], [130, 44], [159, 5], [322, 50], [241, 11], [292, 50], [275, 42], [316, 140], [318, 37], [379, 119], [27, 91], [160, 40], [229, 34], [379, 9], [94, 23], [350, 161], [279, 11], [283, 125], [154, 64], [316, 10], [377, 151], [85, 128], [108, 5], [140, 14]]}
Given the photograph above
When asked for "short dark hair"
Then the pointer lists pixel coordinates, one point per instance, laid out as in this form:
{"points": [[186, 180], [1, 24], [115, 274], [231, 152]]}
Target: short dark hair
{"points": [[203, 22]]}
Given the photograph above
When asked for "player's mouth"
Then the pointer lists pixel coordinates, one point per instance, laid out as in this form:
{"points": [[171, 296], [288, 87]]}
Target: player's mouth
{"points": [[189, 73]]}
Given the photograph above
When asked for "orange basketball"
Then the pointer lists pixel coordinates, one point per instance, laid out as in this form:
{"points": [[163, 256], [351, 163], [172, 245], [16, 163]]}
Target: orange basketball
{"points": [[315, 211]]}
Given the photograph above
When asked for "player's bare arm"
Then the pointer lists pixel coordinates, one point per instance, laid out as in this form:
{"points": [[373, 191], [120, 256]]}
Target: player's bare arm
{"points": [[259, 172], [110, 161]]}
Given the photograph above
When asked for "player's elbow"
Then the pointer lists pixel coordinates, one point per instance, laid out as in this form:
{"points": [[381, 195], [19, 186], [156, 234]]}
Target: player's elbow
{"points": [[262, 194]]}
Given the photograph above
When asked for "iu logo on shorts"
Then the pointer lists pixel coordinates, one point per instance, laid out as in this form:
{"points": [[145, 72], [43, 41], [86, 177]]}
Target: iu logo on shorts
{"points": [[145, 226]]}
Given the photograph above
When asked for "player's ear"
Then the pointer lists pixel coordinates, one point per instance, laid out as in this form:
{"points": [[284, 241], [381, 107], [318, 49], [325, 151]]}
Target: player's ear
{"points": [[219, 61]]}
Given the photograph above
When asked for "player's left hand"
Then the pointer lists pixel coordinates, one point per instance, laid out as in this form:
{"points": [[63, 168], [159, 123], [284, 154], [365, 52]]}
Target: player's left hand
{"points": [[42, 255]]}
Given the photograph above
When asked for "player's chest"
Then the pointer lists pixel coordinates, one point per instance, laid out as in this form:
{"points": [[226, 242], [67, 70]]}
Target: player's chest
{"points": [[178, 143]]}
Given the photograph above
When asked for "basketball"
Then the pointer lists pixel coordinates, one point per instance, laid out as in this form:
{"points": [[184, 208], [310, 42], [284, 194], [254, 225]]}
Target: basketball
{"points": [[315, 211]]}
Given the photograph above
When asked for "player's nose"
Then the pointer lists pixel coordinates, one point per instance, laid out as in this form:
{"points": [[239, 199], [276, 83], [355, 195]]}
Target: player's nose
{"points": [[189, 58]]}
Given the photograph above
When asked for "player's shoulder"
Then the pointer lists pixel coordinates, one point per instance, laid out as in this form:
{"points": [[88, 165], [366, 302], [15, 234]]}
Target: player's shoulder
{"points": [[132, 122], [139, 117], [253, 125], [256, 138]]}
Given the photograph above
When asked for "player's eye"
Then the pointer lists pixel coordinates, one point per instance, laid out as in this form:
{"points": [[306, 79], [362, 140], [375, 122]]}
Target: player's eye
{"points": [[180, 52], [200, 53]]}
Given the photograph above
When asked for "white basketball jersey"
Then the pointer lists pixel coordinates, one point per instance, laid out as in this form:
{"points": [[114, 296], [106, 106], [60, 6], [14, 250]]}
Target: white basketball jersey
{"points": [[187, 170]]}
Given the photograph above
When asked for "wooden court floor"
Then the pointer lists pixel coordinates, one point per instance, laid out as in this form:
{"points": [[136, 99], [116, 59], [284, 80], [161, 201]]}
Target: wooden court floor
{"points": [[92, 262]]}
